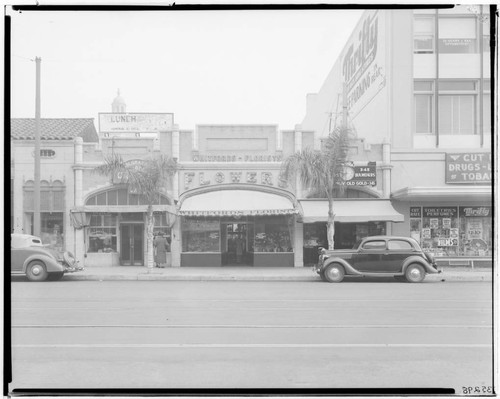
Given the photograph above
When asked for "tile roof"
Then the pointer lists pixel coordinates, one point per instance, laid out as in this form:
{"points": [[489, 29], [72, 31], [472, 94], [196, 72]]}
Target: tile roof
{"points": [[54, 129]]}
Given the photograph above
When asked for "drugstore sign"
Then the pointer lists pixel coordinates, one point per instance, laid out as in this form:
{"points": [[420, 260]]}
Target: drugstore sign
{"points": [[469, 168]]}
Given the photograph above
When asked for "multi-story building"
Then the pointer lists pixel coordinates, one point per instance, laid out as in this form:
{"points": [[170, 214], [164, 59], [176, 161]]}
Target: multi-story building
{"points": [[419, 81]]}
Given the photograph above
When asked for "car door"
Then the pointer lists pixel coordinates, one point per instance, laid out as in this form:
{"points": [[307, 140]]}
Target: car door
{"points": [[18, 256], [369, 256], [397, 252]]}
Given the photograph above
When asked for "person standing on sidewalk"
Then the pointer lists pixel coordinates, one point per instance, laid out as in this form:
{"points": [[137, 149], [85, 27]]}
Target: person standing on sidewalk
{"points": [[160, 243]]}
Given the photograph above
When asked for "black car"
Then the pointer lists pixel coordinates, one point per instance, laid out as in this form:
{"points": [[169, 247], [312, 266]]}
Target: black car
{"points": [[399, 257]]}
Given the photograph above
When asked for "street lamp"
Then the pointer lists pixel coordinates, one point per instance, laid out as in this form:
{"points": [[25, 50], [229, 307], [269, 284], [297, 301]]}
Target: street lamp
{"points": [[81, 219]]}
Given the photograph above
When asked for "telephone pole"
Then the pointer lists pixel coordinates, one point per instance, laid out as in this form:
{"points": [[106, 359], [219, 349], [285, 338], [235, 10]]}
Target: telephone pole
{"points": [[36, 197]]}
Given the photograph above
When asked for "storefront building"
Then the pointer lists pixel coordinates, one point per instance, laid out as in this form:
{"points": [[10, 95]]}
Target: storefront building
{"points": [[419, 82]]}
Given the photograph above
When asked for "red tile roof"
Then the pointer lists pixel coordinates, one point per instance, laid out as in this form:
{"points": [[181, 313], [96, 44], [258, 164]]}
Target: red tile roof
{"points": [[54, 129]]}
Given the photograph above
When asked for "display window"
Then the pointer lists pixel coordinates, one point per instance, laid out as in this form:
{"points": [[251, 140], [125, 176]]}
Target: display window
{"points": [[273, 234], [452, 231], [475, 231], [51, 229], [102, 233], [200, 235]]}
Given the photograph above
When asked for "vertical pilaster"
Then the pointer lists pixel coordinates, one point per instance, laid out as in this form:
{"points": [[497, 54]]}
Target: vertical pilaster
{"points": [[298, 147], [176, 244], [298, 250], [78, 236], [386, 171]]}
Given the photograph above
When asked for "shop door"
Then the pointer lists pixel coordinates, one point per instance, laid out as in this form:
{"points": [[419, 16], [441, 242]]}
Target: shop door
{"points": [[238, 245], [132, 244]]}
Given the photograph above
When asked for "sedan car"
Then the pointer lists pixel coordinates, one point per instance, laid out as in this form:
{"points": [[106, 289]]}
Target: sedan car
{"points": [[31, 258], [387, 256]]}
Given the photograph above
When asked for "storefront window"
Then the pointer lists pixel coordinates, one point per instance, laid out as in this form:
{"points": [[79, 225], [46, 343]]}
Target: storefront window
{"points": [[475, 231], [51, 229], [103, 233], [273, 235], [200, 235], [453, 231]]}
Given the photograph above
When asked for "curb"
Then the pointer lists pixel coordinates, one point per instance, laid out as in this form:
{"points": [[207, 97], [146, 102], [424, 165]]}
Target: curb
{"points": [[445, 277]]}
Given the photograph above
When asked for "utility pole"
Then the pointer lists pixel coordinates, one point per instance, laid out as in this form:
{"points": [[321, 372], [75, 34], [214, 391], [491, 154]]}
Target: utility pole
{"points": [[36, 197]]}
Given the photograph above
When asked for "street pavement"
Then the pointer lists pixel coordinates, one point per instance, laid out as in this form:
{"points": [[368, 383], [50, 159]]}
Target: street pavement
{"points": [[247, 334], [248, 274]]}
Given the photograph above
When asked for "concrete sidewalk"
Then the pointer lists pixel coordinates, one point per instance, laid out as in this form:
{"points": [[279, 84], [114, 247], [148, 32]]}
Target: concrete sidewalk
{"points": [[245, 274]]}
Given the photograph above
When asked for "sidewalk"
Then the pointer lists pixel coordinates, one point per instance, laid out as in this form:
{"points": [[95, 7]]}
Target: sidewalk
{"points": [[245, 274]]}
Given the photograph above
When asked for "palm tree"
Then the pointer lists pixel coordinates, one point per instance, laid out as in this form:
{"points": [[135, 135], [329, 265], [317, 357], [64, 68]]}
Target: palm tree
{"points": [[146, 177], [322, 171]]}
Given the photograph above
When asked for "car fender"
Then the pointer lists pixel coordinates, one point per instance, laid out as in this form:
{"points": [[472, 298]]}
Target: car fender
{"points": [[347, 267], [51, 264], [422, 262]]}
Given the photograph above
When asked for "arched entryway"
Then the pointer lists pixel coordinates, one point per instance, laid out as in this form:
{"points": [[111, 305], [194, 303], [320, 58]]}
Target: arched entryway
{"points": [[238, 226], [117, 231]]}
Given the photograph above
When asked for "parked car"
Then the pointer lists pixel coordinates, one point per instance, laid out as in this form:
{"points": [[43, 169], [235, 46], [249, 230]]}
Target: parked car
{"points": [[31, 258], [399, 257]]}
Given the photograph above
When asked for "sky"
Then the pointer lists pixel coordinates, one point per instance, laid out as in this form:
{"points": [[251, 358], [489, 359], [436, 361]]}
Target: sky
{"points": [[205, 67]]}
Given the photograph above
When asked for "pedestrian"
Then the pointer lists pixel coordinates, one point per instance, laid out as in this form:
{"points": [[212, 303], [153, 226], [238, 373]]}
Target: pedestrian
{"points": [[161, 246]]}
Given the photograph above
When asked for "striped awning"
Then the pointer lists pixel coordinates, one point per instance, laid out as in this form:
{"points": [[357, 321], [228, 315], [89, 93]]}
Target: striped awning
{"points": [[236, 203]]}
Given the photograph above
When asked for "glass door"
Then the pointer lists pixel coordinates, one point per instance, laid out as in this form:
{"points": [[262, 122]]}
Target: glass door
{"points": [[238, 244], [132, 244]]}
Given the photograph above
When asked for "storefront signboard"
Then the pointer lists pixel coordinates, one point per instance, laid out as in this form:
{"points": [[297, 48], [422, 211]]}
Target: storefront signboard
{"points": [[363, 63], [468, 168], [475, 211], [415, 212], [364, 175], [237, 158], [440, 212], [135, 122]]}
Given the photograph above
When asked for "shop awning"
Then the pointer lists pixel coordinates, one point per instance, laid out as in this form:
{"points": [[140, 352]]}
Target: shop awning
{"points": [[351, 211], [236, 203]]}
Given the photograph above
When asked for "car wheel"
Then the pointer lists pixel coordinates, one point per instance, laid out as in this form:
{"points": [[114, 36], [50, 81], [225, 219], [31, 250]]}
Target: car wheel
{"points": [[322, 275], [334, 273], [415, 273], [36, 271], [56, 276]]}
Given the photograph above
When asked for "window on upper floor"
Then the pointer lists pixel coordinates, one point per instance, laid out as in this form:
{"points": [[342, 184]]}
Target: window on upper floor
{"points": [[457, 107], [423, 34], [457, 34], [424, 105]]}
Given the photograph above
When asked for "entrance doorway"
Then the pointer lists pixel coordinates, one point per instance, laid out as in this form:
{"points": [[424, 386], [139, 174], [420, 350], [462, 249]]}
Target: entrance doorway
{"points": [[132, 244], [237, 244]]}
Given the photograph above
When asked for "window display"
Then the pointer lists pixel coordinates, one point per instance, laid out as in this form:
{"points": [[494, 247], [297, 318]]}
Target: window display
{"points": [[200, 235], [452, 231], [102, 233], [273, 235], [161, 228], [475, 231]]}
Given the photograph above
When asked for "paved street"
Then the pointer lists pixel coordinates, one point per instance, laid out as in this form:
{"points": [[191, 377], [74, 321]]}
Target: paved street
{"points": [[201, 334]]}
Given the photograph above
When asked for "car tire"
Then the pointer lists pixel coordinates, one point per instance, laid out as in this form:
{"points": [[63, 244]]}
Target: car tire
{"points": [[56, 276], [322, 275], [334, 273], [36, 271], [415, 273]]}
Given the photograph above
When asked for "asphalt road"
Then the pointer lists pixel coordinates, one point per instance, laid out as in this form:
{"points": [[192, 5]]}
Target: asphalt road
{"points": [[157, 334]]}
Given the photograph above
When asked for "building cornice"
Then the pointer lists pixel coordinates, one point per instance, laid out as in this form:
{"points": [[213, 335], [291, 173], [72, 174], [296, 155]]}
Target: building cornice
{"points": [[442, 193]]}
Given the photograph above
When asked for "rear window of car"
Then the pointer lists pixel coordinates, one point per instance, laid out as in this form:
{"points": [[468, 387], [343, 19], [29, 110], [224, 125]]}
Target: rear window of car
{"points": [[399, 245], [374, 245]]}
